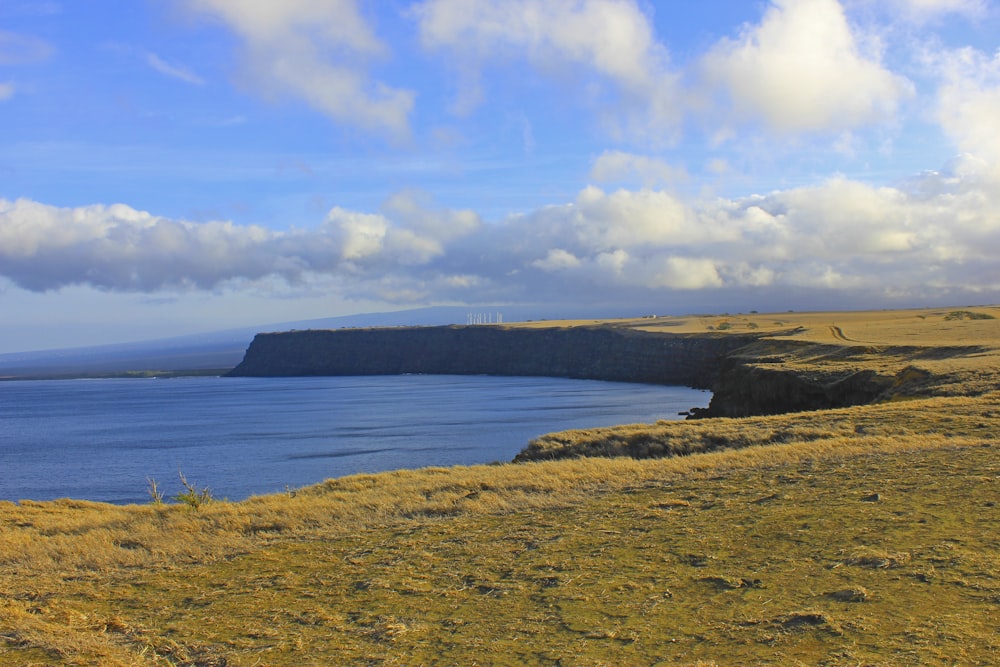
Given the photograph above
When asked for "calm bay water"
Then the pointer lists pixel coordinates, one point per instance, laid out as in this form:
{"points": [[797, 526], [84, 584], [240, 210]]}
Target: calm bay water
{"points": [[101, 439]]}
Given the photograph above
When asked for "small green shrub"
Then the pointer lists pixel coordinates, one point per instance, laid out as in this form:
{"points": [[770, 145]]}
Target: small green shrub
{"points": [[192, 496], [967, 315]]}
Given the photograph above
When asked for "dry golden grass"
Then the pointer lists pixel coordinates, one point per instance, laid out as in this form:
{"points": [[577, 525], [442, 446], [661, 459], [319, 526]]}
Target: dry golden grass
{"points": [[945, 416], [927, 326], [767, 555], [867, 535]]}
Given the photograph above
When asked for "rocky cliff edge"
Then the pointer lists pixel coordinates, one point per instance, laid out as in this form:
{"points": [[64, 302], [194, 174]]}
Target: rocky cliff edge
{"points": [[749, 372]]}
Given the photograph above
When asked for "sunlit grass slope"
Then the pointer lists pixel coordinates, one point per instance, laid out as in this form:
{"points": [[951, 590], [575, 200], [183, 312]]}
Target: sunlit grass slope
{"points": [[867, 535]]}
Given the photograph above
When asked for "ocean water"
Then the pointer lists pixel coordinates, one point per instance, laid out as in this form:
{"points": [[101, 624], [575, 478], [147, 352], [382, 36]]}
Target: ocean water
{"points": [[102, 439]]}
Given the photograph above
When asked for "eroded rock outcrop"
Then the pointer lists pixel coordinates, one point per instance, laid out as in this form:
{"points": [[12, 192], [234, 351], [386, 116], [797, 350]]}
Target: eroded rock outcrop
{"points": [[745, 390]]}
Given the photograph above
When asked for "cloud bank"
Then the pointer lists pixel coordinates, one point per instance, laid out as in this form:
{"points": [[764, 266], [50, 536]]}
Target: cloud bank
{"points": [[936, 235]]}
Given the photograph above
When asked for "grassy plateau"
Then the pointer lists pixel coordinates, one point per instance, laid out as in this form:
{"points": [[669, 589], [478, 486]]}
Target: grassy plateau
{"points": [[867, 535]]}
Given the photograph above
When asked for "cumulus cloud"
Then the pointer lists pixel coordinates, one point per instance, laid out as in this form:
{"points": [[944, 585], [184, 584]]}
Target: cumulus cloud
{"points": [[119, 248], [408, 233], [316, 50], [612, 41], [557, 259], [804, 69], [968, 99], [935, 236]]}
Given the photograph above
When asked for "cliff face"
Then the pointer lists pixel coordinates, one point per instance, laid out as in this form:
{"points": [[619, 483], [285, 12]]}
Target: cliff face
{"points": [[598, 353], [749, 374], [745, 390]]}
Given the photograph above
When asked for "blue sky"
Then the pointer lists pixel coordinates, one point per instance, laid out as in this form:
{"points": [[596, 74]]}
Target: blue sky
{"points": [[177, 166]]}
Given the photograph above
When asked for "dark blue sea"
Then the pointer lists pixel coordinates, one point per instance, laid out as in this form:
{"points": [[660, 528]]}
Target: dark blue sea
{"points": [[102, 439]]}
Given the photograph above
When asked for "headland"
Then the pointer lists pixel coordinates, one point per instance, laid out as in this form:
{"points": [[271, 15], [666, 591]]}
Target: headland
{"points": [[754, 364]]}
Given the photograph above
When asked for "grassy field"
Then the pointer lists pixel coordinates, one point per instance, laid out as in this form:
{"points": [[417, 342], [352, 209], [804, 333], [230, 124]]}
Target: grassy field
{"points": [[859, 536]]}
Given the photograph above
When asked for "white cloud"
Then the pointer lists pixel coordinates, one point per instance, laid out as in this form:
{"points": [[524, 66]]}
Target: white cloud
{"points": [[969, 100], [804, 69], [847, 218], [643, 219], [173, 71], [687, 273], [413, 210], [613, 262], [360, 235], [557, 260], [315, 50], [369, 241], [7, 91], [119, 248], [618, 166], [611, 40]]}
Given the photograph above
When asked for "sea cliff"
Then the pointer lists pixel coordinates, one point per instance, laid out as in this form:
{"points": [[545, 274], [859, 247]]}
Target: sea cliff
{"points": [[592, 352], [746, 371]]}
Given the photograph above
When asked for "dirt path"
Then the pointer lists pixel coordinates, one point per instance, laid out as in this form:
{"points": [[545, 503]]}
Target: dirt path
{"points": [[838, 334]]}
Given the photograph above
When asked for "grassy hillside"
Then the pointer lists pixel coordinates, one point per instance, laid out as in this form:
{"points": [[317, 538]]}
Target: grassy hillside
{"points": [[865, 535]]}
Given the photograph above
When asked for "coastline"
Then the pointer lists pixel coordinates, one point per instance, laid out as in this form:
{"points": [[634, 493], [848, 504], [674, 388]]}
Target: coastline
{"points": [[754, 364]]}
